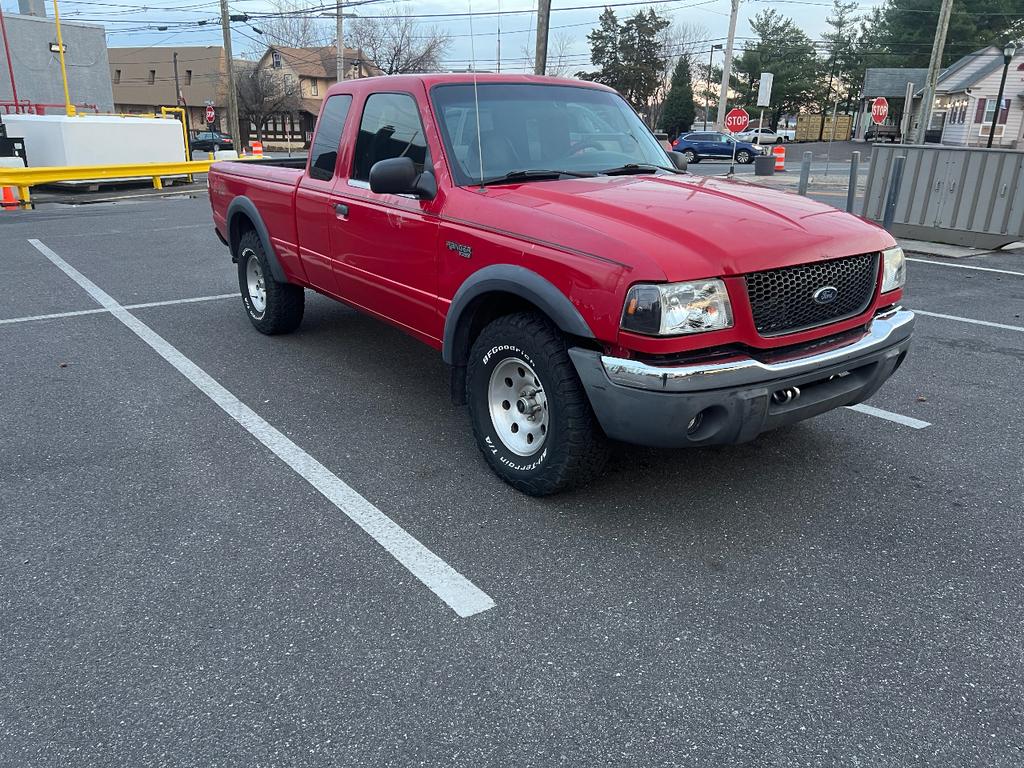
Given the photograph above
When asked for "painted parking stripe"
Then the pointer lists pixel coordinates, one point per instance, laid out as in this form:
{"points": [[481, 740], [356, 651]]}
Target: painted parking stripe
{"points": [[899, 418], [970, 320], [458, 592], [967, 266], [101, 310], [30, 318]]}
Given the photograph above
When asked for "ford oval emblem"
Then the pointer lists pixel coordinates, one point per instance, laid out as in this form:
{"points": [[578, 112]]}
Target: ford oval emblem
{"points": [[826, 294]]}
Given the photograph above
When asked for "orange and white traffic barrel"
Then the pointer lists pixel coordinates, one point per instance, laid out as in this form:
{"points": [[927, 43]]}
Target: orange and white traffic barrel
{"points": [[257, 148], [780, 157]]}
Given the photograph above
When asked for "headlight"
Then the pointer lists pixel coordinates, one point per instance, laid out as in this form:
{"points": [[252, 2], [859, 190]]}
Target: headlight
{"points": [[672, 309], [894, 269]]}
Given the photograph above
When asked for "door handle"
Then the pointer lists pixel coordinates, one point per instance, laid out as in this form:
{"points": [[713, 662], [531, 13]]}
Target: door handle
{"points": [[341, 209]]}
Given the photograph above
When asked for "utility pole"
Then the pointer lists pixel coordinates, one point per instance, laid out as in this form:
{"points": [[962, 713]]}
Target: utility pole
{"points": [[540, 59], [177, 86], [340, 31], [68, 106], [229, 65], [933, 70], [723, 92]]}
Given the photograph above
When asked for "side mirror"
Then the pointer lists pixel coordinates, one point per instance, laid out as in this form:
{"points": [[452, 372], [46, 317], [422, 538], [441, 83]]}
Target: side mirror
{"points": [[678, 159], [397, 176]]}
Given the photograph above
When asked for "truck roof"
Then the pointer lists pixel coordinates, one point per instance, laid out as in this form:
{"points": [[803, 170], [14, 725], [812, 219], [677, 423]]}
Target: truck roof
{"points": [[386, 82]]}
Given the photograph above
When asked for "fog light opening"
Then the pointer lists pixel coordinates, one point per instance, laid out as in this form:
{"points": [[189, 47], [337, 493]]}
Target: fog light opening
{"points": [[695, 423]]}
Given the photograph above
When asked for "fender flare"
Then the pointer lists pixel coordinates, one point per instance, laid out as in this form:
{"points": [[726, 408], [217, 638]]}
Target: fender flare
{"points": [[519, 281], [242, 205]]}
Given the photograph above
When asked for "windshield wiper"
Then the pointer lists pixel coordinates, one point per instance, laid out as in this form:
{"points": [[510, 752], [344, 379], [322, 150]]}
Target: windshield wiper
{"points": [[535, 175], [632, 169]]}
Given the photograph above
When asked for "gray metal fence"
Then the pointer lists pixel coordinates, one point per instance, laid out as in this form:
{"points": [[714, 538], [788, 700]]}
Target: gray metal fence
{"points": [[950, 194]]}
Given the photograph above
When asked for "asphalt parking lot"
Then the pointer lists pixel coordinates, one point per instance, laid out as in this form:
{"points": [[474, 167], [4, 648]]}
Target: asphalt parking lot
{"points": [[845, 591]]}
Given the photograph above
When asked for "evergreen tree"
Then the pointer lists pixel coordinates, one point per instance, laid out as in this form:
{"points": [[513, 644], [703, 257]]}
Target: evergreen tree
{"points": [[679, 111], [783, 49], [628, 55]]}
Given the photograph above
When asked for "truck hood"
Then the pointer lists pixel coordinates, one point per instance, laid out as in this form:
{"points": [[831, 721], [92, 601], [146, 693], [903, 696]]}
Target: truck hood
{"points": [[685, 226]]}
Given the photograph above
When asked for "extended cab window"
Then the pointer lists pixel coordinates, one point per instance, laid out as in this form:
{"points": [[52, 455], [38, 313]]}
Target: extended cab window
{"points": [[324, 152], [391, 127]]}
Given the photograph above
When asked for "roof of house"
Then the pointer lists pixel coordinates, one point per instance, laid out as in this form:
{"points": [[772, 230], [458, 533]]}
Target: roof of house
{"points": [[959, 75], [891, 82], [320, 62], [200, 74]]}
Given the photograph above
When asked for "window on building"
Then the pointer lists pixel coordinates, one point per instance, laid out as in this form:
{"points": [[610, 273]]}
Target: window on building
{"points": [[117, 76], [391, 127], [314, 89], [324, 151], [188, 77], [152, 76], [276, 59], [990, 111]]}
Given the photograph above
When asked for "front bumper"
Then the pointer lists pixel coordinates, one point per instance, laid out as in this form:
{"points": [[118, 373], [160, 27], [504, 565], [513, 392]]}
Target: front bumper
{"points": [[730, 400]]}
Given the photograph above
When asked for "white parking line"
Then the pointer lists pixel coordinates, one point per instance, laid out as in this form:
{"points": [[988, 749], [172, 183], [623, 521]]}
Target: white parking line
{"points": [[458, 592], [77, 312], [967, 266], [899, 418], [970, 320], [30, 318]]}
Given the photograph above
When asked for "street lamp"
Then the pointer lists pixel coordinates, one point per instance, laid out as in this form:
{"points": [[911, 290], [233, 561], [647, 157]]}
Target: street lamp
{"points": [[707, 93], [1008, 50]]}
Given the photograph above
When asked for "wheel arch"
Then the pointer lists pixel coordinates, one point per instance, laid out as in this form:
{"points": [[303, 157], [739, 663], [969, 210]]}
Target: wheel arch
{"points": [[494, 291], [243, 215]]}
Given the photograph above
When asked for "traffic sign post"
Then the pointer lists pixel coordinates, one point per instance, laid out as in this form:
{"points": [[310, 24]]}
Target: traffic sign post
{"points": [[879, 110], [736, 121]]}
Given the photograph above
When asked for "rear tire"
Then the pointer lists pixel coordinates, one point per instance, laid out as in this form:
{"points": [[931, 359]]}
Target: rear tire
{"points": [[272, 307], [531, 417]]}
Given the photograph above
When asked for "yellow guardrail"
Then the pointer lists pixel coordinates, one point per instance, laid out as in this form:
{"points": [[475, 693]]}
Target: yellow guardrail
{"points": [[25, 178]]}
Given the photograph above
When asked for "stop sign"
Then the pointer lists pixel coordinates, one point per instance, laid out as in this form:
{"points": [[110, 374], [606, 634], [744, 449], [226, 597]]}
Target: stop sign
{"points": [[879, 110], [737, 120], [211, 114]]}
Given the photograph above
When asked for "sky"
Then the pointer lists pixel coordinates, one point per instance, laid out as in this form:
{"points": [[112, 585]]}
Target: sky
{"points": [[136, 22]]}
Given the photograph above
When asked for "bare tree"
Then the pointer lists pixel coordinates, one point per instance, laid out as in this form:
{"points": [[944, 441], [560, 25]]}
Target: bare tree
{"points": [[291, 24], [263, 93], [395, 44], [558, 56], [680, 39]]}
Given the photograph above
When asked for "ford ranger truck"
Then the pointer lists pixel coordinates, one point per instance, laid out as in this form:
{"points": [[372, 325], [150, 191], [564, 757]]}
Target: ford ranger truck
{"points": [[581, 288]]}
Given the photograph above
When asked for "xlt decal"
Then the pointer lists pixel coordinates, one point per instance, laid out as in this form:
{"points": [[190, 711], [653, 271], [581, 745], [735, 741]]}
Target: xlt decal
{"points": [[463, 250]]}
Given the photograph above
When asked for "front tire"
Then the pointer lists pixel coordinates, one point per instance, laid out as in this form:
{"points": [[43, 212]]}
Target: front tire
{"points": [[743, 157], [272, 307], [531, 417]]}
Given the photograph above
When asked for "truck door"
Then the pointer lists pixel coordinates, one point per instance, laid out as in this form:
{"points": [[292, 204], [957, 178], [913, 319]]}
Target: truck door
{"points": [[386, 245], [314, 203]]}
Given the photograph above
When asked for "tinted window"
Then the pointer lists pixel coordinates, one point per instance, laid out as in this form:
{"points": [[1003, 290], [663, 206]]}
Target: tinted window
{"points": [[391, 127], [324, 152]]}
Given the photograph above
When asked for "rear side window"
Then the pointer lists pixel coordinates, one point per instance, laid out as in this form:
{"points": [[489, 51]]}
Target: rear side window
{"points": [[391, 127], [324, 152]]}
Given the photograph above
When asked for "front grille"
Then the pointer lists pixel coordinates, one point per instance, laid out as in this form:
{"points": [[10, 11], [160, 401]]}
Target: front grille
{"points": [[782, 300]]}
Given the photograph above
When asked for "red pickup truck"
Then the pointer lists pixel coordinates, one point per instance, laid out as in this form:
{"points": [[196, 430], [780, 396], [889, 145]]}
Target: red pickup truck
{"points": [[579, 285]]}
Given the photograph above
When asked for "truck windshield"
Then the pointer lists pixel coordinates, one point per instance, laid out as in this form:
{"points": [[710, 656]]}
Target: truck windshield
{"points": [[534, 127]]}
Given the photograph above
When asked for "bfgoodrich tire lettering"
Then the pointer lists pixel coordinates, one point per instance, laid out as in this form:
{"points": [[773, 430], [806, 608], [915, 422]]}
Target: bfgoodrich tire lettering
{"points": [[545, 399], [272, 307]]}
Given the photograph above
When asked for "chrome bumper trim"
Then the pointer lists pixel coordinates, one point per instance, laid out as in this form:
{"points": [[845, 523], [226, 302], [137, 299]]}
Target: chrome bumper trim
{"points": [[885, 330]]}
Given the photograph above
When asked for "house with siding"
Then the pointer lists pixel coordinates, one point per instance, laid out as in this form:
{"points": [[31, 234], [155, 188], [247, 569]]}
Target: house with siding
{"points": [[966, 101], [314, 70]]}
